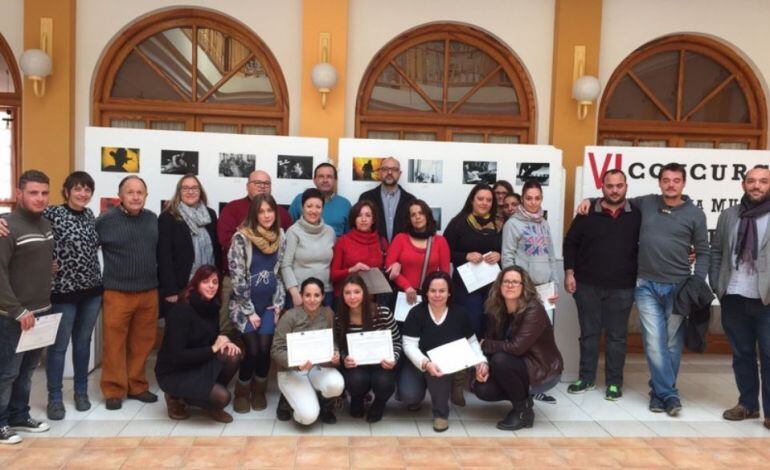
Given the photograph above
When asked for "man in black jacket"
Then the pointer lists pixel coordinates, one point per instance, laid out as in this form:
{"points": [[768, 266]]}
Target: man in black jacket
{"points": [[600, 253], [391, 200]]}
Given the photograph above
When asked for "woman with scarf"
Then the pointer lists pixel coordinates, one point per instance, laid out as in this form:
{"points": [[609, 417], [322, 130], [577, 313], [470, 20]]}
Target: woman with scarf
{"points": [[258, 296], [187, 239]]}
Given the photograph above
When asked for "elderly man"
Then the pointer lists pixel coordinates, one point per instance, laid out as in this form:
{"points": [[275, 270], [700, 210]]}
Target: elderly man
{"points": [[129, 237], [740, 256], [390, 198], [336, 207]]}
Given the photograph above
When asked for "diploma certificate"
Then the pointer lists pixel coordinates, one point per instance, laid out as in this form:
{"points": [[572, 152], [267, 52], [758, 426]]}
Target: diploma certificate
{"points": [[478, 275], [454, 356], [41, 335], [371, 347], [315, 346], [403, 307]]}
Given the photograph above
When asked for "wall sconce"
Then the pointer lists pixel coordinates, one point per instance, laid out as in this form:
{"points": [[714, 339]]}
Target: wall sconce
{"points": [[36, 64], [324, 75], [585, 88]]}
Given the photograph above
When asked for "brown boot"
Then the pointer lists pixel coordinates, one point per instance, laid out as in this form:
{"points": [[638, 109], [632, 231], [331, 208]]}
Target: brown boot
{"points": [[176, 407], [458, 387], [220, 416], [739, 413], [241, 401], [258, 388]]}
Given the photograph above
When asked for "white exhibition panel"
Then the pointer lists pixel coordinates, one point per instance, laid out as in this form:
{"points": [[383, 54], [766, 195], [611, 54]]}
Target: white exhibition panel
{"points": [[209, 146], [449, 195]]}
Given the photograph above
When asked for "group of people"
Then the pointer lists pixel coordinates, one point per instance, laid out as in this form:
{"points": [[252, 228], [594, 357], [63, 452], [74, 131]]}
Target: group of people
{"points": [[232, 288]]}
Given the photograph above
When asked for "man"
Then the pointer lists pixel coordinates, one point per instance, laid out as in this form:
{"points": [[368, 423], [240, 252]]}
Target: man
{"points": [[740, 258], [390, 199], [230, 218], [129, 237], [600, 252], [336, 207], [26, 257]]}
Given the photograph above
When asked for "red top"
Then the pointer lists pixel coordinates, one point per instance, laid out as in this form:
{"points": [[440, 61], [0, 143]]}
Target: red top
{"points": [[411, 258], [231, 217], [356, 247]]}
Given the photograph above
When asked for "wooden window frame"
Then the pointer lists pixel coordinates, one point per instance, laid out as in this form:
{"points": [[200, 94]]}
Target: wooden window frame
{"points": [[678, 130], [12, 101], [524, 124], [134, 34]]}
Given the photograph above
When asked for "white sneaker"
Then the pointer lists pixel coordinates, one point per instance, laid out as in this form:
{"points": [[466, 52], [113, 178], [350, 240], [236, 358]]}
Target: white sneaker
{"points": [[31, 425], [8, 436]]}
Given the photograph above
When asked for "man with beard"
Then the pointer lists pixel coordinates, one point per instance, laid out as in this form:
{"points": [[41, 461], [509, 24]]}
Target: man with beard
{"points": [[336, 207], [740, 259], [600, 253], [391, 200]]}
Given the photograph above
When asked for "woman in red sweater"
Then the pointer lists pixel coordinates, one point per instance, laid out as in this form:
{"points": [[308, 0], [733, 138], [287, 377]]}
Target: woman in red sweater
{"points": [[361, 249], [407, 252]]}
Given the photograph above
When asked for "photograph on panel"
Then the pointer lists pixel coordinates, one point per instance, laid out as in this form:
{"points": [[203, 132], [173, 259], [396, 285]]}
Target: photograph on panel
{"points": [[437, 216], [425, 171], [479, 172], [120, 159], [107, 203], [367, 168], [236, 165], [540, 172], [294, 167], [163, 205], [178, 162]]}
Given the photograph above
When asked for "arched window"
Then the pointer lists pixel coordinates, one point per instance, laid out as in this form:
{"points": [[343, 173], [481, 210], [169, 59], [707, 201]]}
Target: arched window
{"points": [[190, 69], [683, 91], [446, 82], [10, 125]]}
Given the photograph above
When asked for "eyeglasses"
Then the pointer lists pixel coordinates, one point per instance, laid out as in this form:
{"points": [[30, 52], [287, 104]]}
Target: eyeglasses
{"points": [[511, 283], [389, 169], [190, 189], [260, 183]]}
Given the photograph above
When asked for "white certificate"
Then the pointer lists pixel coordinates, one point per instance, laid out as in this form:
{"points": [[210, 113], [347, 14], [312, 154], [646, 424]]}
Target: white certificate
{"points": [[454, 356], [375, 281], [403, 307], [546, 291], [476, 276], [315, 346], [371, 347], [41, 335]]}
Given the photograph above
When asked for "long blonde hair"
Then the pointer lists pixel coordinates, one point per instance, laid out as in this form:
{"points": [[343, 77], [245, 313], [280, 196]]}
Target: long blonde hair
{"points": [[494, 306], [171, 205]]}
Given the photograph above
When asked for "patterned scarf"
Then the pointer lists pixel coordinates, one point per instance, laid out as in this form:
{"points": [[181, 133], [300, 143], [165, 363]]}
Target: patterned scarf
{"points": [[265, 240], [747, 244], [486, 224], [536, 217]]}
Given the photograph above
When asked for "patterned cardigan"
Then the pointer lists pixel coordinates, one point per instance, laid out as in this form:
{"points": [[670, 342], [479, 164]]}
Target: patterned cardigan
{"points": [[239, 263]]}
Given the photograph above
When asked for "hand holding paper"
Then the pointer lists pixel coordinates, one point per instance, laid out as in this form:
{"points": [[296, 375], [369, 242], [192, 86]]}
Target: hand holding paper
{"points": [[42, 334], [316, 347], [454, 356]]}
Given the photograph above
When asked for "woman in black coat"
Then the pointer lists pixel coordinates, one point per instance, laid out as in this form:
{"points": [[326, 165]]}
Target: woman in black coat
{"points": [[187, 239]]}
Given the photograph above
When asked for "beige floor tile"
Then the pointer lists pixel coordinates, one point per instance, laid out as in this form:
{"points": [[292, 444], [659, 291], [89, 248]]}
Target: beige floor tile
{"points": [[322, 457]]}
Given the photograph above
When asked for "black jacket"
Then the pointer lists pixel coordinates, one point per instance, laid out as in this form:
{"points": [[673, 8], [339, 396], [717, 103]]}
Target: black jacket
{"points": [[693, 301], [399, 221], [176, 253]]}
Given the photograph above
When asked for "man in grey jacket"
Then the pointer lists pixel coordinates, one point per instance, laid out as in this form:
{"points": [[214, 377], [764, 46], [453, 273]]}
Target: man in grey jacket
{"points": [[740, 259]]}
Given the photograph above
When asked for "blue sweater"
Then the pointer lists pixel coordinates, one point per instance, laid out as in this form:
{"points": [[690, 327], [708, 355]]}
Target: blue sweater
{"points": [[335, 212]]}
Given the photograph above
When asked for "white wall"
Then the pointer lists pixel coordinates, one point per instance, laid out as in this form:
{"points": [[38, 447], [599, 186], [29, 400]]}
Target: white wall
{"points": [[12, 25], [526, 27], [278, 24], [742, 24]]}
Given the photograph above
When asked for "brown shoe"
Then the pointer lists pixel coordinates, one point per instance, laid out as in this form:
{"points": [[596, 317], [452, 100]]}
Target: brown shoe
{"points": [[220, 416], [440, 424], [739, 413], [458, 388], [258, 398], [767, 423], [242, 393], [176, 408]]}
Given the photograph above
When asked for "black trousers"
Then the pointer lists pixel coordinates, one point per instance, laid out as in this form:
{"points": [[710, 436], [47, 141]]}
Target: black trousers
{"points": [[508, 379], [359, 380], [603, 309]]}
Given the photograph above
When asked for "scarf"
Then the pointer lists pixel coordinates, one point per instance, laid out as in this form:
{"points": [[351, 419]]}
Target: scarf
{"points": [[196, 219], [424, 235], [747, 245], [526, 216], [364, 238], [265, 240], [205, 308], [486, 225], [313, 229]]}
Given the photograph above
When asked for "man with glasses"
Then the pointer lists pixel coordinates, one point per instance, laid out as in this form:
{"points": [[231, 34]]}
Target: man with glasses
{"points": [[229, 219], [336, 207], [391, 200]]}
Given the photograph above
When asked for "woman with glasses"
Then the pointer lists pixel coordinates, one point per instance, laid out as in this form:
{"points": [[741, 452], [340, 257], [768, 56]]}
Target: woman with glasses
{"points": [[502, 189]]}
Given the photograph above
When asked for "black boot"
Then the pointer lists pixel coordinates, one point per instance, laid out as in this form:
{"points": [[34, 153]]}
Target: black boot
{"points": [[357, 407], [376, 410], [521, 416], [284, 411], [327, 410]]}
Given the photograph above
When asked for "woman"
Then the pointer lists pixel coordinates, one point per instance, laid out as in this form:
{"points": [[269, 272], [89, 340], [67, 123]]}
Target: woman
{"points": [[417, 252], [502, 189], [512, 201], [195, 363], [309, 249], [187, 239], [76, 290], [520, 347], [258, 295], [299, 384], [361, 249], [357, 313], [429, 325]]}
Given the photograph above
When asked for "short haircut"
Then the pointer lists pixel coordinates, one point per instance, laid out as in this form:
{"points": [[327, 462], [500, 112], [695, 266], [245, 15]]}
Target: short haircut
{"points": [[325, 165], [673, 167], [530, 184], [355, 211], [311, 193], [128, 178], [613, 171], [77, 178], [32, 176], [758, 166]]}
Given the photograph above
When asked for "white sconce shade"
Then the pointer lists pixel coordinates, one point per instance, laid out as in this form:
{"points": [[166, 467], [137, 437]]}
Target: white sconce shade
{"points": [[323, 76], [35, 63], [586, 88]]}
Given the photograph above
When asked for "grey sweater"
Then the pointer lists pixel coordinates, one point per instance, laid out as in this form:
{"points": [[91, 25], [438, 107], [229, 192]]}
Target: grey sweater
{"points": [[529, 244], [129, 246], [665, 239], [309, 250], [26, 257]]}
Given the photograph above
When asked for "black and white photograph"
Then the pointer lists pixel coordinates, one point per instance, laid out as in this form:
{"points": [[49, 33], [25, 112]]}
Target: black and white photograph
{"points": [[178, 162], [236, 165], [437, 216], [479, 172], [540, 172], [425, 171], [295, 167], [222, 205]]}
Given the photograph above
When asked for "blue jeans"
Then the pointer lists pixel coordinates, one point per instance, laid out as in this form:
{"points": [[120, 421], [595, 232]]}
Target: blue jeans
{"points": [[662, 334], [15, 373], [747, 325], [77, 322]]}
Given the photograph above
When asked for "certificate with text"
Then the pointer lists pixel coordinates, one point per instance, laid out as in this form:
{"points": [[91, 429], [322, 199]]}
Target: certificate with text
{"points": [[454, 356], [315, 346], [371, 347], [403, 307], [41, 335], [477, 275]]}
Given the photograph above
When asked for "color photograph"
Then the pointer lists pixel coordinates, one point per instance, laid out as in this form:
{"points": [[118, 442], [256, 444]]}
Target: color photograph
{"points": [[106, 203], [437, 215], [120, 159], [294, 167], [178, 162], [236, 165], [367, 168], [479, 172], [425, 171], [540, 172]]}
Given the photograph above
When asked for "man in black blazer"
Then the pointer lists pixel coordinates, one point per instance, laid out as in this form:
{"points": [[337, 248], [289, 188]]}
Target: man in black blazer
{"points": [[391, 200]]}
